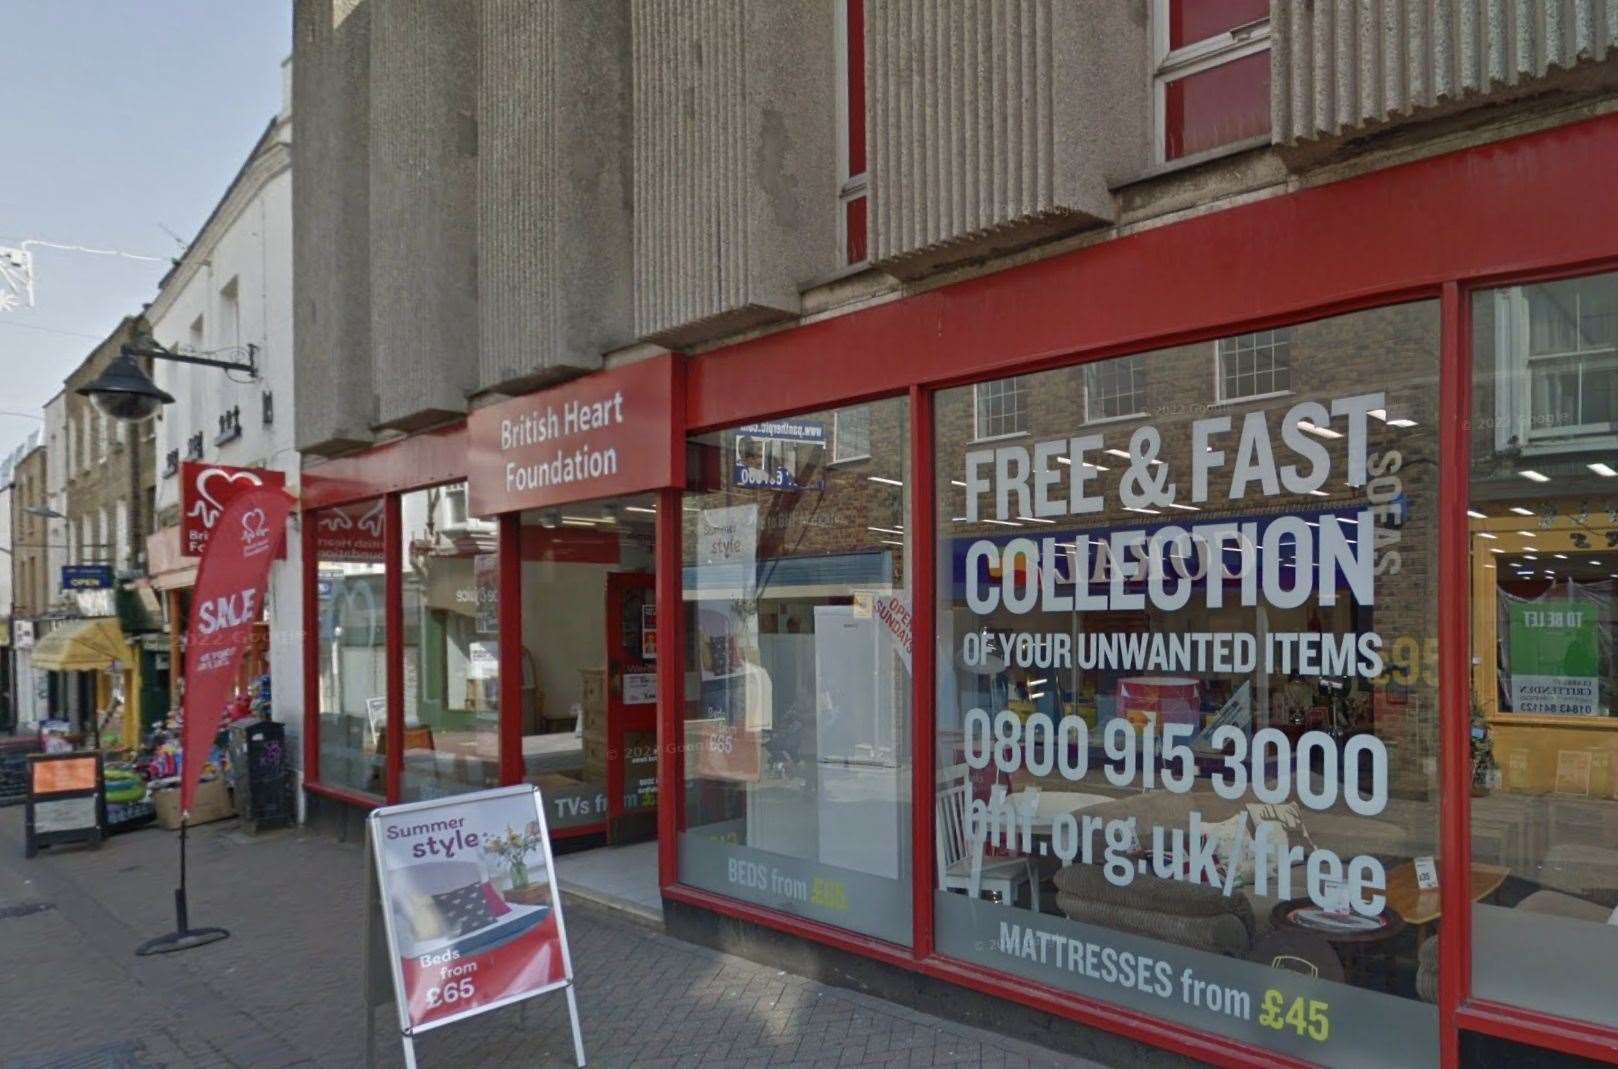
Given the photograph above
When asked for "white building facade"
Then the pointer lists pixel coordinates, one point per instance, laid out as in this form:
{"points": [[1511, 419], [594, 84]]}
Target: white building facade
{"points": [[230, 296]]}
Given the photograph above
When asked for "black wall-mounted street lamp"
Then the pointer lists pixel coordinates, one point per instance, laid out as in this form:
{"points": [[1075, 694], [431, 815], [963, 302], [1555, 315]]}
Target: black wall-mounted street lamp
{"points": [[124, 392]]}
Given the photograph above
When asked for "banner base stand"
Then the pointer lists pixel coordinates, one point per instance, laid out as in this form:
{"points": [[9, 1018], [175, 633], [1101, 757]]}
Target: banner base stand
{"points": [[168, 944], [184, 937]]}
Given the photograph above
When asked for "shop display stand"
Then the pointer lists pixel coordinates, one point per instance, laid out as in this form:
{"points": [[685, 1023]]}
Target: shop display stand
{"points": [[184, 937]]}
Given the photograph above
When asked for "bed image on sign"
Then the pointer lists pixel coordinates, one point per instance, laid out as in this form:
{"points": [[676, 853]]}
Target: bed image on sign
{"points": [[443, 905]]}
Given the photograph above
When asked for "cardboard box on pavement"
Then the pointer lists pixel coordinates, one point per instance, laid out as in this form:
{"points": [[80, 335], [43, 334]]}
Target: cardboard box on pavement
{"points": [[211, 803]]}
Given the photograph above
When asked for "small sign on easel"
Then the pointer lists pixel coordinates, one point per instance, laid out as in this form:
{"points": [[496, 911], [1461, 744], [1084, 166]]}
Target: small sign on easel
{"points": [[1426, 873], [66, 802], [470, 906]]}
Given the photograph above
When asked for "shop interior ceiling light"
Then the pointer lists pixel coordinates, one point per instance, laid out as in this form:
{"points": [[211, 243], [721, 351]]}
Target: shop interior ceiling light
{"points": [[1069, 462], [1476, 515], [1534, 476], [1486, 534], [640, 508], [1401, 423], [1317, 429], [1319, 493], [884, 479], [1519, 510], [1606, 471]]}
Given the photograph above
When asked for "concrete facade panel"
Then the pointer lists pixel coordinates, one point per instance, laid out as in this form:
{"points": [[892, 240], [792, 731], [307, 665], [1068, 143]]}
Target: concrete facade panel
{"points": [[1341, 66], [334, 395], [423, 209], [983, 132], [735, 176], [553, 189]]}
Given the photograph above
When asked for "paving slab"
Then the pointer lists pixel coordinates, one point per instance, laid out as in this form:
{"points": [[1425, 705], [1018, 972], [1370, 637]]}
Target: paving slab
{"points": [[286, 989]]}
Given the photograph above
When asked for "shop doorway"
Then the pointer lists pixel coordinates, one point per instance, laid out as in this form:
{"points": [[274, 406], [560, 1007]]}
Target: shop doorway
{"points": [[589, 688]]}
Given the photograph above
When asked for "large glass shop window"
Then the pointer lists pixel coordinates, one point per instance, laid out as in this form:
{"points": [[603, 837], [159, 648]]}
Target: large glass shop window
{"points": [[351, 593], [1187, 705], [797, 731], [451, 616], [1544, 732]]}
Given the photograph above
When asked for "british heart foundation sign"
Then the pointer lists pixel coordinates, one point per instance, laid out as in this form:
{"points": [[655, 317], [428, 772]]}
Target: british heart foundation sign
{"points": [[609, 433], [205, 490]]}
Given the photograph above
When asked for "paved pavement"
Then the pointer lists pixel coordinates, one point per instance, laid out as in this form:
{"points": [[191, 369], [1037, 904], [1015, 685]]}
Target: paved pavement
{"points": [[287, 988]]}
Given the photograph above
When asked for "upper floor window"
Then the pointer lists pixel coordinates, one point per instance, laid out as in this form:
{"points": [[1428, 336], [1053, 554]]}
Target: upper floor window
{"points": [[1254, 365], [851, 129], [230, 313], [1556, 362], [851, 433], [1115, 389], [1002, 408], [1211, 78]]}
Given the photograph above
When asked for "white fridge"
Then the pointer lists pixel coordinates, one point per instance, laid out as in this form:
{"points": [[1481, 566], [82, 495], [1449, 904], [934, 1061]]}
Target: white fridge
{"points": [[861, 692]]}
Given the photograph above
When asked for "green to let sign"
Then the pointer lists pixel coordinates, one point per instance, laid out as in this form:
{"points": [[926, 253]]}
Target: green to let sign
{"points": [[1555, 660]]}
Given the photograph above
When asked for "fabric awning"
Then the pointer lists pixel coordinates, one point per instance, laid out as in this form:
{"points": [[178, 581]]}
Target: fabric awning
{"points": [[82, 646], [169, 570]]}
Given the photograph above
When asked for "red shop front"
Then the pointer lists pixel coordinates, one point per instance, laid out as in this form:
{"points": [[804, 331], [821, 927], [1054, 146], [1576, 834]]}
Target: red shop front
{"points": [[485, 595], [1265, 562]]}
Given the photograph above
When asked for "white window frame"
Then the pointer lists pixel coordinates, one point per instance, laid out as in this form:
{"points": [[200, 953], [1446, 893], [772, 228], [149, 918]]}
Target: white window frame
{"points": [[837, 436], [1089, 416], [849, 187], [1021, 388], [1220, 397], [1170, 65], [1514, 394]]}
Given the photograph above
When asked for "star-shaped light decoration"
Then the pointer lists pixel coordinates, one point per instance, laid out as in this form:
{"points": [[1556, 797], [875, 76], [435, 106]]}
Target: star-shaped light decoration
{"points": [[16, 279]]}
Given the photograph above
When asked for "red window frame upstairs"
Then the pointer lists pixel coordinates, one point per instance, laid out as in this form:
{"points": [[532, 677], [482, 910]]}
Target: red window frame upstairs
{"points": [[853, 190], [1210, 76]]}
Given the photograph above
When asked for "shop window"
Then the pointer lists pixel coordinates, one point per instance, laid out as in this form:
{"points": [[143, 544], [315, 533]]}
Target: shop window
{"points": [[1254, 365], [451, 645], [853, 183], [1000, 408], [851, 434], [797, 717], [589, 656], [1186, 753], [351, 613], [1544, 525], [1212, 74], [1115, 389]]}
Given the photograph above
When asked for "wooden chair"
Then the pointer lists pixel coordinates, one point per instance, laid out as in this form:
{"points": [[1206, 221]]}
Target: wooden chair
{"points": [[961, 864]]}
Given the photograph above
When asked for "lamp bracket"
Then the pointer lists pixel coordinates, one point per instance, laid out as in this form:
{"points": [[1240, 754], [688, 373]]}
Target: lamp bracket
{"points": [[158, 352]]}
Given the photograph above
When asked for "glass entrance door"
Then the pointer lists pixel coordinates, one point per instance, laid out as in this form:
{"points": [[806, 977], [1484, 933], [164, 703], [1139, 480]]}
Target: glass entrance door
{"points": [[631, 705], [589, 653]]}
